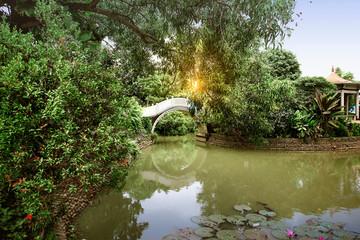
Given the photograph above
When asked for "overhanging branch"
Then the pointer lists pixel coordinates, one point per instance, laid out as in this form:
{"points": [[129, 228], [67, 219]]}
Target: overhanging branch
{"points": [[146, 38]]}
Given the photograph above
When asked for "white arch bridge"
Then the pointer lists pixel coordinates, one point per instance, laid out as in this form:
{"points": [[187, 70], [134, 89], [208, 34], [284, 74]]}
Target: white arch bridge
{"points": [[157, 111]]}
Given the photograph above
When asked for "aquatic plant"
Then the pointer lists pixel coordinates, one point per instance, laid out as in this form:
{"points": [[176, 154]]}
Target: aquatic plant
{"points": [[289, 233], [259, 228], [205, 232], [242, 208]]}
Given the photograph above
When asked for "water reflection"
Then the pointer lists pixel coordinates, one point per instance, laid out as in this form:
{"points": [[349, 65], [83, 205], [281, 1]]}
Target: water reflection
{"points": [[176, 179], [114, 217]]}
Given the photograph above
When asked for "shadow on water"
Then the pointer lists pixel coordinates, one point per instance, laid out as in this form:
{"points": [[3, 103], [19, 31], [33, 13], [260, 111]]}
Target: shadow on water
{"points": [[176, 179]]}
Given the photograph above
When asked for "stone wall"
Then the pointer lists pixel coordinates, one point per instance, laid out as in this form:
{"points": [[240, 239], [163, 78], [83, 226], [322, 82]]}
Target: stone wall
{"points": [[290, 144]]}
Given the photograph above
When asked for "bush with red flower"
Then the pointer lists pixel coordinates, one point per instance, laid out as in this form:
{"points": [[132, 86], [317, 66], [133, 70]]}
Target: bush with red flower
{"points": [[65, 122]]}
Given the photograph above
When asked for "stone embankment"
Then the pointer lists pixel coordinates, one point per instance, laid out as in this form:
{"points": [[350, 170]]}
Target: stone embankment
{"points": [[289, 144], [73, 205]]}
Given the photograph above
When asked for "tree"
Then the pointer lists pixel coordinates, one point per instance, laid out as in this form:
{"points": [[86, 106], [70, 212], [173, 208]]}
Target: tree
{"points": [[214, 36], [344, 75], [145, 17], [282, 64]]}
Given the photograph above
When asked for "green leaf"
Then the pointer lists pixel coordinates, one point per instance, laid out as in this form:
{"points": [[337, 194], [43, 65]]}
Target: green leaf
{"points": [[85, 37]]}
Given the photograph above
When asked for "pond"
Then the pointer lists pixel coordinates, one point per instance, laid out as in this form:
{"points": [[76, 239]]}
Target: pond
{"points": [[177, 179]]}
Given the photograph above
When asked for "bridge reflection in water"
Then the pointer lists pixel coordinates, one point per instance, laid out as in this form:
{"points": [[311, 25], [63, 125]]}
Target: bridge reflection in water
{"points": [[183, 177]]}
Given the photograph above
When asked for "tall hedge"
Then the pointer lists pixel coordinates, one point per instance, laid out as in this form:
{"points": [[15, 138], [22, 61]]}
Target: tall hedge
{"points": [[64, 123]]}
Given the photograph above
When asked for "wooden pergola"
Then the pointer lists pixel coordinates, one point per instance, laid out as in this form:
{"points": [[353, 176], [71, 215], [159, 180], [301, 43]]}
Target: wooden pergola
{"points": [[346, 88]]}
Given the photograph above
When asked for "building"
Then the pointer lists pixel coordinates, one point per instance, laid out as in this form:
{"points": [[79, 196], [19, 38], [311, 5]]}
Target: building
{"points": [[346, 88]]}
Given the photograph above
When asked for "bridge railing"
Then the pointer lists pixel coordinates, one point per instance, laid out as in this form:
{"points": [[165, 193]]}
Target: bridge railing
{"points": [[164, 106]]}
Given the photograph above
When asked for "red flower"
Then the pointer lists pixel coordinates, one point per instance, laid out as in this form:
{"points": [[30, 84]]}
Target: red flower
{"points": [[29, 217], [125, 161]]}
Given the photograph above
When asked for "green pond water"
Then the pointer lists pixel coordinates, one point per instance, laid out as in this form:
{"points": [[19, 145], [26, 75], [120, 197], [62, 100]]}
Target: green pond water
{"points": [[178, 178]]}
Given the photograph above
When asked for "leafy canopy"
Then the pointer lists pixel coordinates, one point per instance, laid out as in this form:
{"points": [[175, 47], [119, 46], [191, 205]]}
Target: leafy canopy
{"points": [[282, 64]]}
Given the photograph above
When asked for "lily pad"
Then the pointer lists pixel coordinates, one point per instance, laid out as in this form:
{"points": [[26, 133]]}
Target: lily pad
{"points": [[199, 219], [242, 208], [322, 229], [227, 234], [279, 234], [329, 225], [210, 224], [313, 221], [255, 234], [185, 232], [236, 219], [270, 224], [173, 237], [313, 234], [267, 213], [300, 231], [273, 224], [345, 234], [217, 218], [282, 226], [255, 217], [204, 232], [254, 224]]}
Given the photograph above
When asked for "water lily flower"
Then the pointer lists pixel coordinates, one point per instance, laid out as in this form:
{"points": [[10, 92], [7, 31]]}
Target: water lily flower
{"points": [[321, 238], [289, 233]]}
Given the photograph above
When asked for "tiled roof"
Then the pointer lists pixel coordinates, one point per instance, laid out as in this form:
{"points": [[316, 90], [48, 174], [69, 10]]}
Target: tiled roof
{"points": [[334, 78]]}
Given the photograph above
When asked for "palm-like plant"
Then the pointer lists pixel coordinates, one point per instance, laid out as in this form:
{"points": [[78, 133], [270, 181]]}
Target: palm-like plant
{"points": [[327, 108]]}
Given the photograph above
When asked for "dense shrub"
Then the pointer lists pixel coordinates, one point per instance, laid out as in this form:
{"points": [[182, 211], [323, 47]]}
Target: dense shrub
{"points": [[175, 123], [355, 130], [305, 89], [63, 123]]}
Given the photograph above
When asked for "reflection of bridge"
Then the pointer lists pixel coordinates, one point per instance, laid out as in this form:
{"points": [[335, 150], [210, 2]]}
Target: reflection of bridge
{"points": [[157, 111], [186, 178]]}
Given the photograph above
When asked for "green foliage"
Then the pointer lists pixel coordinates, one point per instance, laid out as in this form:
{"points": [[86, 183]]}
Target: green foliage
{"points": [[305, 89], [321, 119], [282, 64], [243, 113], [327, 108], [64, 125], [155, 88], [355, 130], [343, 129], [305, 125], [344, 75], [175, 123]]}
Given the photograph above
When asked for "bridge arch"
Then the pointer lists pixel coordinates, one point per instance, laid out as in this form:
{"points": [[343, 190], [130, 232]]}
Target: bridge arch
{"points": [[159, 110], [166, 112]]}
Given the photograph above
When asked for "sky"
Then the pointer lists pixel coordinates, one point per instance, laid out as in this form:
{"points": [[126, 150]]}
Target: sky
{"points": [[328, 35]]}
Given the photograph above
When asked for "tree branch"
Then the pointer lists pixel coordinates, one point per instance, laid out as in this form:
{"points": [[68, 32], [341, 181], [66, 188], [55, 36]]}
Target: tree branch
{"points": [[94, 3], [30, 24], [146, 38], [225, 4]]}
